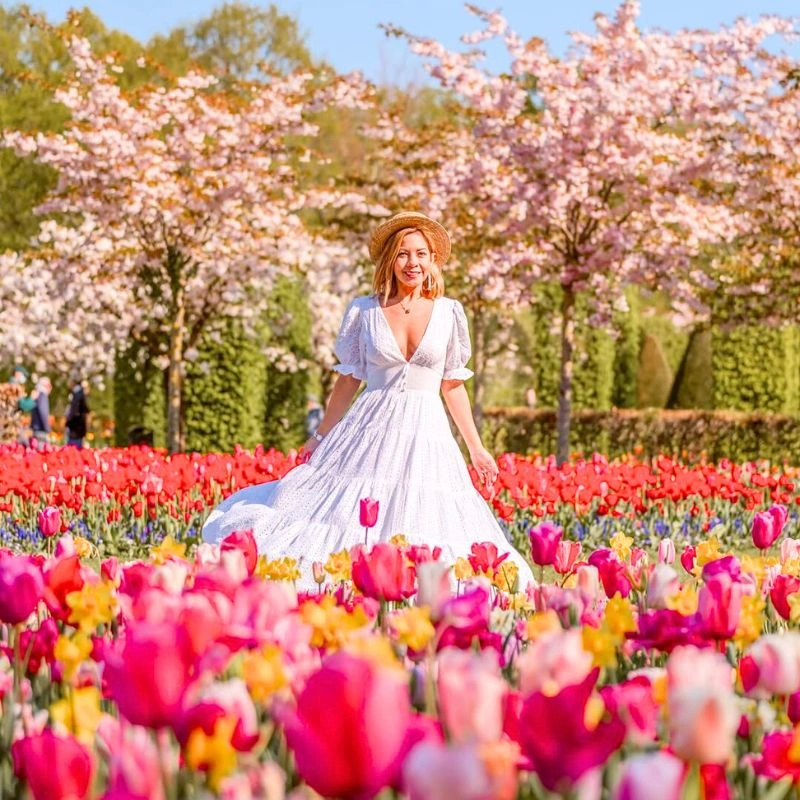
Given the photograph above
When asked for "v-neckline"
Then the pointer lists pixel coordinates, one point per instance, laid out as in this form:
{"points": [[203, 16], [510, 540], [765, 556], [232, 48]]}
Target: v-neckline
{"points": [[394, 338]]}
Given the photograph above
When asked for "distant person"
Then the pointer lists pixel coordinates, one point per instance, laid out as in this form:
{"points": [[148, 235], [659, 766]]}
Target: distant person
{"points": [[20, 378], [40, 414], [530, 398], [314, 414], [77, 414]]}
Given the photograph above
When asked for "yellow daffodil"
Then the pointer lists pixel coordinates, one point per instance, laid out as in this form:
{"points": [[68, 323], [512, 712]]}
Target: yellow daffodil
{"points": [[505, 577], [399, 539], [331, 624], [94, 604], [213, 754], [463, 570], [707, 551], [602, 644], [167, 550], [413, 627], [684, 601], [373, 647], [72, 651], [79, 713], [619, 617], [83, 547], [794, 606], [621, 545], [339, 566], [263, 672], [281, 569], [520, 602], [751, 621], [542, 623]]}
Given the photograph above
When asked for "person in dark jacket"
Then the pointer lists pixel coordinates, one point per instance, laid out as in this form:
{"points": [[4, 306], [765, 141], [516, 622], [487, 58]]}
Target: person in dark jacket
{"points": [[40, 414], [77, 412]]}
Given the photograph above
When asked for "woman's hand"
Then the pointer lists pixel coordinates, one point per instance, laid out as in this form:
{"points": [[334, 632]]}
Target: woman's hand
{"points": [[307, 449], [484, 464]]}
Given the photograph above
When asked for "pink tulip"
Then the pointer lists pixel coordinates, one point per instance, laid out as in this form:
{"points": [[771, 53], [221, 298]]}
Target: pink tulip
{"points": [[544, 539], [368, 512], [552, 662], [719, 605], [783, 587], [702, 710], [663, 583], [349, 731], [688, 556], [53, 766], [555, 737], [462, 673], [440, 772], [567, 553], [149, 673], [383, 573], [768, 526], [771, 665], [434, 590], [110, 570], [655, 776], [588, 580], [21, 589], [776, 760], [633, 701], [613, 572], [790, 549], [245, 543], [133, 761], [467, 613], [49, 521], [666, 551]]}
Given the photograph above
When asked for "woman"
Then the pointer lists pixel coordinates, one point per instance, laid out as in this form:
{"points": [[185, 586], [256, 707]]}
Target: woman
{"points": [[408, 342]]}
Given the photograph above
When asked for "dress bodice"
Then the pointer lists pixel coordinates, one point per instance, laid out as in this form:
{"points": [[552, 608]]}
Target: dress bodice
{"points": [[367, 349]]}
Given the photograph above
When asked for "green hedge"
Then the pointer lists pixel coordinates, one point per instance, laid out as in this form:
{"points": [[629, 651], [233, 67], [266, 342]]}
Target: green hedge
{"points": [[139, 397], [756, 367], [688, 434]]}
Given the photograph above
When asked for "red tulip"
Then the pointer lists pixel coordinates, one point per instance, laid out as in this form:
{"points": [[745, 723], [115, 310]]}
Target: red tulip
{"points": [[53, 766], [245, 542], [485, 557], [556, 739], [544, 542], [21, 588], [148, 675], [49, 521], [368, 512], [350, 730], [383, 573], [567, 554]]}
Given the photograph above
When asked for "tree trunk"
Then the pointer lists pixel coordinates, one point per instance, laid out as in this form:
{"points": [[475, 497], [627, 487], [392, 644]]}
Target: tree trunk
{"points": [[175, 377], [565, 384]]}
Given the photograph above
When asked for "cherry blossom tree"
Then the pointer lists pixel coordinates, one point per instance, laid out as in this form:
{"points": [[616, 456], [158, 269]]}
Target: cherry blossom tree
{"points": [[173, 206], [604, 168]]}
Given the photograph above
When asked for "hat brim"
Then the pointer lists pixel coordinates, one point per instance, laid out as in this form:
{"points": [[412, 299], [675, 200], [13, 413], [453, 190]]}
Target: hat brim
{"points": [[440, 239]]}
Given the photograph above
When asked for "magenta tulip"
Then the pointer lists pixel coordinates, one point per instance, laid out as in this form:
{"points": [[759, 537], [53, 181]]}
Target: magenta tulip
{"points": [[368, 512], [768, 526], [49, 521], [245, 542], [350, 729], [21, 589], [544, 542], [383, 573], [719, 604], [53, 766]]}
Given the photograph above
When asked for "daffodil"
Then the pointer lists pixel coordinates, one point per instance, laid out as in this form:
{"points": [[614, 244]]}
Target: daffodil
{"points": [[331, 624], [263, 672], [94, 604], [167, 550], [621, 545], [413, 627], [214, 754], [79, 712], [339, 566], [72, 651]]}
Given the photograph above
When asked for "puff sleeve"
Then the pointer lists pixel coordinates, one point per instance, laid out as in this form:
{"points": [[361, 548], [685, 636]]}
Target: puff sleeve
{"points": [[459, 349], [349, 347]]}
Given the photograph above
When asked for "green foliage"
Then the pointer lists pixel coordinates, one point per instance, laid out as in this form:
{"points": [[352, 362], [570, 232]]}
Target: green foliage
{"points": [[688, 434], [224, 392], [694, 384], [654, 376], [756, 368], [139, 396], [289, 322], [626, 354], [672, 339]]}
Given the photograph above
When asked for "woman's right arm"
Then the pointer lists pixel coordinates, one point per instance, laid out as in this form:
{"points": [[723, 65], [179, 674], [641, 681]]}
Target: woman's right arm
{"points": [[344, 390]]}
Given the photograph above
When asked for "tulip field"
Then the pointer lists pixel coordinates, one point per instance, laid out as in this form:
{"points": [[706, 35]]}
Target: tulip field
{"points": [[655, 656]]}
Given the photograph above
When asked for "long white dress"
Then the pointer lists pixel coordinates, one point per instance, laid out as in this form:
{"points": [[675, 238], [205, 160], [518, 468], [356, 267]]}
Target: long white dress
{"points": [[394, 445]]}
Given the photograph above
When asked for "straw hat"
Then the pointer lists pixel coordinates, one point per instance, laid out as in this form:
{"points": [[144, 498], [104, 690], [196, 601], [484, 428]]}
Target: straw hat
{"points": [[439, 237]]}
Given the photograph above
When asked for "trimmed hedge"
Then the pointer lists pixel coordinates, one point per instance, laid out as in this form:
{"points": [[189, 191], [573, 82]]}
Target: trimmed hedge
{"points": [[139, 397], [688, 434]]}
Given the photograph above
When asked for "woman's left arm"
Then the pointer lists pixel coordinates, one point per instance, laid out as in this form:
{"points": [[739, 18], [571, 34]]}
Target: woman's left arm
{"points": [[457, 402]]}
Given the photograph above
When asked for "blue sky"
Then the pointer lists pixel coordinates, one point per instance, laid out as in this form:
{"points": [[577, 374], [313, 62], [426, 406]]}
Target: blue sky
{"points": [[345, 32]]}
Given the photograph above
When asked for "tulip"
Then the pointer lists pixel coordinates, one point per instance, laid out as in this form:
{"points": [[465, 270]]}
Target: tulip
{"points": [[561, 745], [438, 772], [245, 543], [666, 551], [727, 564], [655, 776], [777, 759], [588, 580], [634, 703], [384, 573], [485, 558], [150, 672], [663, 584], [21, 589], [434, 590], [133, 761], [783, 587], [318, 572], [349, 730], [768, 526], [688, 556], [567, 553], [544, 539], [368, 514], [53, 766], [552, 662], [771, 665], [613, 573], [719, 605], [462, 673], [467, 613], [790, 549], [49, 521], [702, 710]]}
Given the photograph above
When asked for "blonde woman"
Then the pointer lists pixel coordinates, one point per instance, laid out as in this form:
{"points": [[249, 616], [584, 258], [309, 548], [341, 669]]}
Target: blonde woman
{"points": [[410, 344]]}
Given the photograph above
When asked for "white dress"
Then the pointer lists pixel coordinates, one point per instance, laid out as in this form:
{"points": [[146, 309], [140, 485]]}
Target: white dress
{"points": [[394, 445]]}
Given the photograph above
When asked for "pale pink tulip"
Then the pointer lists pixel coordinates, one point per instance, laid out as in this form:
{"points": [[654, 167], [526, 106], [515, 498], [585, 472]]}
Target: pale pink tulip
{"points": [[666, 551], [651, 776], [664, 582], [438, 772], [553, 661], [773, 662]]}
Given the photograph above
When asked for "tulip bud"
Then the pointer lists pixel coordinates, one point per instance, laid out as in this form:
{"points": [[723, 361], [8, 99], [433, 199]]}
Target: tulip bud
{"points": [[49, 521], [589, 580], [368, 512], [318, 570], [666, 551]]}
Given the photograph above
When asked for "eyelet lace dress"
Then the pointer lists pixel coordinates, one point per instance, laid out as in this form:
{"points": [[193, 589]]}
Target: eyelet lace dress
{"points": [[394, 444]]}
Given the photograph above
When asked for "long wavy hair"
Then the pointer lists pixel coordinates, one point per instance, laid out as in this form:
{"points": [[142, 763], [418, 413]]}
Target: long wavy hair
{"points": [[384, 282]]}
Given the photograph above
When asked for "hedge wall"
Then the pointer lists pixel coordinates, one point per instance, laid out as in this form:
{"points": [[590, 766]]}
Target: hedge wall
{"points": [[139, 397], [689, 434], [756, 367]]}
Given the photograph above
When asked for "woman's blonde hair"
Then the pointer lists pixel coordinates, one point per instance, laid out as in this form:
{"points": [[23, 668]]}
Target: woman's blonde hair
{"points": [[384, 281]]}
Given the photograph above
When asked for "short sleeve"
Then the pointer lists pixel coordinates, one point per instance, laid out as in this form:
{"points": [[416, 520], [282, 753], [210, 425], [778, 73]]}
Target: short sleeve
{"points": [[459, 349], [349, 346]]}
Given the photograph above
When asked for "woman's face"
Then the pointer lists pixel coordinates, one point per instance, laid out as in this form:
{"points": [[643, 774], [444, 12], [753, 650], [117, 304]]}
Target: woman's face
{"points": [[413, 262]]}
